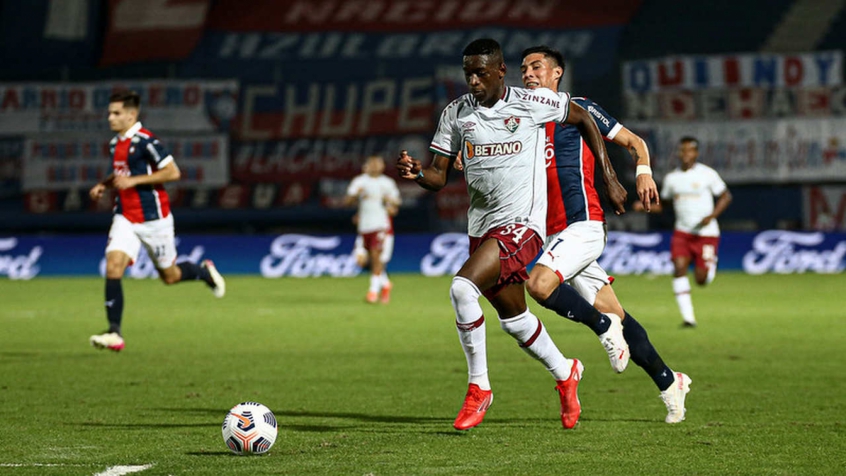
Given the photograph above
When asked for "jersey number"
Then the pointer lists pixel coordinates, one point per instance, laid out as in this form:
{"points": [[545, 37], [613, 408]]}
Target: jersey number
{"points": [[516, 230]]}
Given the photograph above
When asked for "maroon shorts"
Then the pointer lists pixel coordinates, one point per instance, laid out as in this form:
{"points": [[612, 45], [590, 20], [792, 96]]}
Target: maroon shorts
{"points": [[702, 250], [518, 246], [373, 240]]}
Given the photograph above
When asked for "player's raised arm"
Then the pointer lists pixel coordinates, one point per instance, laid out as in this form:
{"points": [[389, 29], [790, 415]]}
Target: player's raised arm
{"points": [[433, 177], [647, 191], [593, 138]]}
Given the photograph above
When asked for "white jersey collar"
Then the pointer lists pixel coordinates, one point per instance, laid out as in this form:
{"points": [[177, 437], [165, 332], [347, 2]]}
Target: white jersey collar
{"points": [[131, 132]]}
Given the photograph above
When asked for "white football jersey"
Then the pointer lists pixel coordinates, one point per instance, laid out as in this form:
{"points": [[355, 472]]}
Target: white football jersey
{"points": [[503, 155], [692, 192], [373, 192]]}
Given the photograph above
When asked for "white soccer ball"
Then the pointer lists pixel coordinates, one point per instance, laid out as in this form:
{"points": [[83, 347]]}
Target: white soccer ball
{"points": [[249, 428]]}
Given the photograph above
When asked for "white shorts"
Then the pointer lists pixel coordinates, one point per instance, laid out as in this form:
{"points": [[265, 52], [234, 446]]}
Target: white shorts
{"points": [[157, 236], [572, 255], [387, 248]]}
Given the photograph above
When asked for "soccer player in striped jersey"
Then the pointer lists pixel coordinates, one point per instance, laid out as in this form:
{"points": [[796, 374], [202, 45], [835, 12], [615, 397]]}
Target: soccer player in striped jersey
{"points": [[140, 167], [498, 130], [567, 278]]}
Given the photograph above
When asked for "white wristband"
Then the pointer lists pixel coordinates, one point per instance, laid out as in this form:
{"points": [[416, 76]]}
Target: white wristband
{"points": [[643, 170]]}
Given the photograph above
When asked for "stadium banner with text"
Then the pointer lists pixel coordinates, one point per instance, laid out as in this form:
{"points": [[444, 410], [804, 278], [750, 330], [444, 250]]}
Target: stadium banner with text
{"points": [[353, 109], [258, 55], [183, 106], [69, 161], [274, 256], [301, 159], [738, 103], [757, 70], [757, 151], [745, 86], [152, 30], [405, 16]]}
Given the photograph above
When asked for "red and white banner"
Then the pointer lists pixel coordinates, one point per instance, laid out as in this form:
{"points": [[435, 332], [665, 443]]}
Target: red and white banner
{"points": [[755, 151], [413, 15], [739, 103], [190, 106], [824, 207], [64, 161], [144, 30]]}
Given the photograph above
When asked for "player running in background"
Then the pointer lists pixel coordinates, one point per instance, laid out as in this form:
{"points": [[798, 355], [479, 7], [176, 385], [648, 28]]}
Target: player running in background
{"points": [[378, 199], [140, 165], [692, 187], [498, 130], [576, 235], [362, 256]]}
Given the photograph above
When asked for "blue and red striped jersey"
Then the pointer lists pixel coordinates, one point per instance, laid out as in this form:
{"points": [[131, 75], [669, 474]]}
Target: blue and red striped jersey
{"points": [[139, 152], [570, 165]]}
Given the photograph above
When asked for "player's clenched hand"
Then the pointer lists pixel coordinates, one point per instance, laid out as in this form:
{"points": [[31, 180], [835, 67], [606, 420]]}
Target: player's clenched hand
{"points": [[647, 191], [458, 164], [407, 166], [97, 191], [617, 195]]}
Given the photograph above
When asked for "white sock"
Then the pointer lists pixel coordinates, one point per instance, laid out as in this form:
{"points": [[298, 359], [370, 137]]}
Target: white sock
{"points": [[470, 323], [712, 272], [533, 338], [375, 283], [681, 286], [383, 278]]}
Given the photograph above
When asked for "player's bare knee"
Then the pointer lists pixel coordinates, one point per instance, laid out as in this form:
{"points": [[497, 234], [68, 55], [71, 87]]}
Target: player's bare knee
{"points": [[114, 270], [540, 288]]}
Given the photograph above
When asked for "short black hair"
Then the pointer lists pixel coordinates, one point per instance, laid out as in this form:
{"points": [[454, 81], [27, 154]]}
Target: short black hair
{"points": [[690, 139], [548, 52], [130, 99], [483, 46]]}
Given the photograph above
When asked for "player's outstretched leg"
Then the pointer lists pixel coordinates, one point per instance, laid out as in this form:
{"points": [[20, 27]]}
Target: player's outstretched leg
{"points": [[111, 339], [533, 338], [470, 324], [188, 271], [565, 301], [646, 357]]}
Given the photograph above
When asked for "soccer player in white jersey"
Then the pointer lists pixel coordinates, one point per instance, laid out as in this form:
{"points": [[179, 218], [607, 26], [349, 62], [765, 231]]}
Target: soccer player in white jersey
{"points": [[499, 131], [141, 165], [576, 236], [692, 187], [377, 197]]}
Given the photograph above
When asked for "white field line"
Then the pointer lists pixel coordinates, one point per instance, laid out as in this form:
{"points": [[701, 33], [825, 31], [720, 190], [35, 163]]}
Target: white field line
{"points": [[121, 470]]}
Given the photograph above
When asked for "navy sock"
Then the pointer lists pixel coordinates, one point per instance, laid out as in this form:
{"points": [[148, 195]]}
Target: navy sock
{"points": [[645, 355], [565, 301], [193, 272], [114, 304]]}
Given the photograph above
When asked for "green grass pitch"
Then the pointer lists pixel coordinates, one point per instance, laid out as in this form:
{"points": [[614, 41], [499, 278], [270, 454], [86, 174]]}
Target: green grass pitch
{"points": [[372, 389]]}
